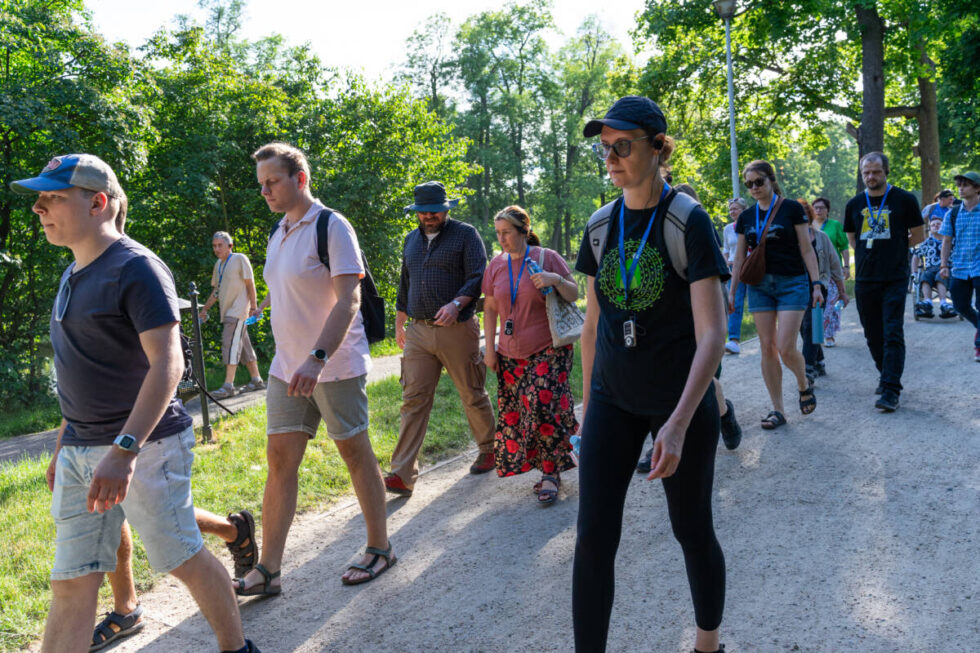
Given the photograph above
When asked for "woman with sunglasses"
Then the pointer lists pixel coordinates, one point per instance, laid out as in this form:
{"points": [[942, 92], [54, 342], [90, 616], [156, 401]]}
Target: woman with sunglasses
{"points": [[535, 409], [735, 208], [777, 303], [651, 343]]}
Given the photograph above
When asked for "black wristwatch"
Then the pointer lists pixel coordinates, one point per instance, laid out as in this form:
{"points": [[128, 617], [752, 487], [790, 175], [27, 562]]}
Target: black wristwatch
{"points": [[127, 443], [458, 304], [319, 354]]}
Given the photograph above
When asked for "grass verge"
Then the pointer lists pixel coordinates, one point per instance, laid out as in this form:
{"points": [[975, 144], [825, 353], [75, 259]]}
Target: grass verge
{"points": [[229, 474]]}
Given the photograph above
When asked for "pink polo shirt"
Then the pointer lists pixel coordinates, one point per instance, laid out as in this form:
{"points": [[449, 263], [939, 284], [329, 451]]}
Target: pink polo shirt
{"points": [[531, 331], [302, 294]]}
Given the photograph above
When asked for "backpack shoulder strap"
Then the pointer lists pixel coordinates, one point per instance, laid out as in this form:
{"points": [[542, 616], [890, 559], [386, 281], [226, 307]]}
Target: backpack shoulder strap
{"points": [[273, 229], [322, 229], [953, 212], [597, 229], [675, 228], [541, 257]]}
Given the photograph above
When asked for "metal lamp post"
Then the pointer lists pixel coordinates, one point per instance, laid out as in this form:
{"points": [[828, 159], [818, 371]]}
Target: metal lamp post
{"points": [[726, 10]]}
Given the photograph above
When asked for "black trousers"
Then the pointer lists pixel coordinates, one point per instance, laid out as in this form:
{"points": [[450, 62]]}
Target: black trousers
{"points": [[881, 307], [962, 290], [611, 443]]}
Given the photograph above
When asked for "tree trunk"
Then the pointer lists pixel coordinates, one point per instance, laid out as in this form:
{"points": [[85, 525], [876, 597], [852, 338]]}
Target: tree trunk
{"points": [[928, 131], [871, 133]]}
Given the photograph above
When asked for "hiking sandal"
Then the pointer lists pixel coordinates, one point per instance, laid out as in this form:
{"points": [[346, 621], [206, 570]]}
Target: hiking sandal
{"points": [[808, 400], [772, 420], [243, 554], [390, 560], [128, 624], [265, 589], [547, 496]]}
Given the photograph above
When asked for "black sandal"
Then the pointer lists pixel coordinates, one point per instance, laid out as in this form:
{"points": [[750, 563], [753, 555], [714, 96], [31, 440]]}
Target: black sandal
{"points": [[128, 624], [772, 420], [390, 560], [547, 496], [808, 400], [243, 554], [265, 589]]}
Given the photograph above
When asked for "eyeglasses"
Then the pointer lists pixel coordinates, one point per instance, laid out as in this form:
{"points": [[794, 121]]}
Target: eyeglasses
{"points": [[755, 183], [622, 148], [61, 301]]}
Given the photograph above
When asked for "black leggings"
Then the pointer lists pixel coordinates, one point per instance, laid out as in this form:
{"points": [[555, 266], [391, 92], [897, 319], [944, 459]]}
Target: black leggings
{"points": [[610, 446]]}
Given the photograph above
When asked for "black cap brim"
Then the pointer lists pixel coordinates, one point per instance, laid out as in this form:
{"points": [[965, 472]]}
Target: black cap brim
{"points": [[594, 127]]}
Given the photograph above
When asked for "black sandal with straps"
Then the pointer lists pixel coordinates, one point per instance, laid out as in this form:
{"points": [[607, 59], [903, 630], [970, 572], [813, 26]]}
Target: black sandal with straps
{"points": [[263, 589], [390, 560], [241, 553], [808, 400]]}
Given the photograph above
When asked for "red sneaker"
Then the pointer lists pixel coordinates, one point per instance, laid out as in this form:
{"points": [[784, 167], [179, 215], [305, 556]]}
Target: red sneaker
{"points": [[395, 485], [483, 463]]}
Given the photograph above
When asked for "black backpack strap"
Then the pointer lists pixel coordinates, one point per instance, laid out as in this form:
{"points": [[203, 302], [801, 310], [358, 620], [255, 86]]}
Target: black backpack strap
{"points": [[322, 230], [274, 229]]}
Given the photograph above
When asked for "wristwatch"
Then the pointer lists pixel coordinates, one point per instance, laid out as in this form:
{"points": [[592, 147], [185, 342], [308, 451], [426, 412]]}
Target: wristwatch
{"points": [[458, 304], [127, 443], [319, 354]]}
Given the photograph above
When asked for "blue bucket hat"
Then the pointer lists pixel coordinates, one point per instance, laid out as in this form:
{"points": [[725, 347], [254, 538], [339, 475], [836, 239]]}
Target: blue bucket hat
{"points": [[630, 112], [82, 170], [431, 197]]}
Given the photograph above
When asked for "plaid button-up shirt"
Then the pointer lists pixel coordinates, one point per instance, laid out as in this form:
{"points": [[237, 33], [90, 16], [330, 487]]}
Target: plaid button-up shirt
{"points": [[434, 273], [965, 259]]}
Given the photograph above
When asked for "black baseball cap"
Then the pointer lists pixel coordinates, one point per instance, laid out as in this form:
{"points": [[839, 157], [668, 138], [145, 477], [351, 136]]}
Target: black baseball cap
{"points": [[630, 112], [945, 193]]}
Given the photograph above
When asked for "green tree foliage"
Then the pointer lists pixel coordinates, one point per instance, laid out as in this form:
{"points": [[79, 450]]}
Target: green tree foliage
{"points": [[62, 89], [178, 123]]}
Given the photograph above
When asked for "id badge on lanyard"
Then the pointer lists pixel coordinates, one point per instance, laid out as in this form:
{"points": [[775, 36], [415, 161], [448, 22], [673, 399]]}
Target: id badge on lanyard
{"points": [[626, 274]]}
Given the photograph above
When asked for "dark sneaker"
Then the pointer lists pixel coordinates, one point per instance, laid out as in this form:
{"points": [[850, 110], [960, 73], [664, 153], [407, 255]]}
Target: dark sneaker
{"points": [[946, 311], [880, 388], [643, 467], [395, 485], [483, 463], [821, 369], [888, 401], [731, 432]]}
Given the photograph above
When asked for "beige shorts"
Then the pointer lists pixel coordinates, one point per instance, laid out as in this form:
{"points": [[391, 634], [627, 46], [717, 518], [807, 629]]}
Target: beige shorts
{"points": [[342, 405], [235, 346]]}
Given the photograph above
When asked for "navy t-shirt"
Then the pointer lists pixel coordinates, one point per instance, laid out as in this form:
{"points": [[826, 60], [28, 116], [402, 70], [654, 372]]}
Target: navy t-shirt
{"points": [[782, 246], [887, 259], [98, 358], [647, 379]]}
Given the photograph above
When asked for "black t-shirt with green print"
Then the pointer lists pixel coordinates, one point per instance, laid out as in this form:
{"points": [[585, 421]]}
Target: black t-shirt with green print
{"points": [[647, 379]]}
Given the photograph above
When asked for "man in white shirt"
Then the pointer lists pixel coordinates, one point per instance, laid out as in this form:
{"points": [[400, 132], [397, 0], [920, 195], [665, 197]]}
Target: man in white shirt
{"points": [[234, 290], [320, 367]]}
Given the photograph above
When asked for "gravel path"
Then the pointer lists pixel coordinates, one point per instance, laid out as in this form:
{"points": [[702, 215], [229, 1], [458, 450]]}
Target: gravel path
{"points": [[847, 530]]}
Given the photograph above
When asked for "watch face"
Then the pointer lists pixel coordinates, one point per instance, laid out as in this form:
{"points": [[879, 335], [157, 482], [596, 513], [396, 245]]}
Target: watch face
{"points": [[127, 441], [319, 354]]}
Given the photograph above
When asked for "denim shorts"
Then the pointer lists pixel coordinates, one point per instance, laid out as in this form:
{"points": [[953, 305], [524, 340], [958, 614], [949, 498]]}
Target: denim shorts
{"points": [[342, 405], [158, 505], [778, 292]]}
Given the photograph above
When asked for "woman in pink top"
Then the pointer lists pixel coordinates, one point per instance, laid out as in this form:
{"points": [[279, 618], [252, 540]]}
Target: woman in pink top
{"points": [[535, 409]]}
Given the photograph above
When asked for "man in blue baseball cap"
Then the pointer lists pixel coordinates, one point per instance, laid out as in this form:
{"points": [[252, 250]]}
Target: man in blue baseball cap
{"points": [[124, 446]]}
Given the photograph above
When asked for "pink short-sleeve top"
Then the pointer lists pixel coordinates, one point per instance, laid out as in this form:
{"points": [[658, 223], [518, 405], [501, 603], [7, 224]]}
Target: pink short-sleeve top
{"points": [[531, 332]]}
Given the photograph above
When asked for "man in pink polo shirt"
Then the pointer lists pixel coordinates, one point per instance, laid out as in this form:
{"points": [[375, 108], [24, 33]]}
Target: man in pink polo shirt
{"points": [[320, 367]]}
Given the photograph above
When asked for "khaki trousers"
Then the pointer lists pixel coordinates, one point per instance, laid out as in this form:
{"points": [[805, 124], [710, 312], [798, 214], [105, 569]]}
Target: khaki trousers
{"points": [[427, 350]]}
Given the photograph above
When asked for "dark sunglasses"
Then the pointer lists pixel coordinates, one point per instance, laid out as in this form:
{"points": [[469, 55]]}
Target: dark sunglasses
{"points": [[622, 148], [757, 183], [61, 301]]}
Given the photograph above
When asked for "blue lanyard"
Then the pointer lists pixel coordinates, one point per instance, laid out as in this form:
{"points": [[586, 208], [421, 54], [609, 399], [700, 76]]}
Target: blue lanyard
{"points": [[875, 220], [628, 276], [510, 274], [758, 231], [221, 268]]}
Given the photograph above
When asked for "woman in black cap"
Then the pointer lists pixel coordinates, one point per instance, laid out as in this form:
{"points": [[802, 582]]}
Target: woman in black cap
{"points": [[653, 338]]}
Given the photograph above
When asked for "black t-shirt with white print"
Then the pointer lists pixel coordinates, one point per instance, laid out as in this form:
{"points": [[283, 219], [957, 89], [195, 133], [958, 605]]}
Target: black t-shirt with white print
{"points": [[887, 259], [782, 246], [647, 379]]}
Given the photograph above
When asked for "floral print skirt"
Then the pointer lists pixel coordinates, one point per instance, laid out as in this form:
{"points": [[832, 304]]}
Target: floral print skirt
{"points": [[535, 412], [831, 316]]}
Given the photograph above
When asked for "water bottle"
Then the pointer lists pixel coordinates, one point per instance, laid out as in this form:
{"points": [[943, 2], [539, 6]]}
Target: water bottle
{"points": [[251, 319], [817, 325], [576, 442], [839, 305], [536, 269]]}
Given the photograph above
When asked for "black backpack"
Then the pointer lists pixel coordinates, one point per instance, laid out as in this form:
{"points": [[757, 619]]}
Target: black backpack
{"points": [[372, 304]]}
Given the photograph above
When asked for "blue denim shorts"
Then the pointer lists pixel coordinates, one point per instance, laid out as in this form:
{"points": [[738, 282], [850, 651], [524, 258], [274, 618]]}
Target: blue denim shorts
{"points": [[778, 292], [158, 505]]}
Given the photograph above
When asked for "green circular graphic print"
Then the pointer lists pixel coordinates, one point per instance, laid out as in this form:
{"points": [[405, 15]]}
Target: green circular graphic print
{"points": [[648, 281]]}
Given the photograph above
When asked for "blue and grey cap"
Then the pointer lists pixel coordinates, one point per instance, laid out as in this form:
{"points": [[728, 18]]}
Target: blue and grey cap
{"points": [[82, 170], [630, 112]]}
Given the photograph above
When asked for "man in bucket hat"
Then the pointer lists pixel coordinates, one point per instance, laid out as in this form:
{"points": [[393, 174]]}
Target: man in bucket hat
{"points": [[442, 270], [124, 448], [961, 252]]}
